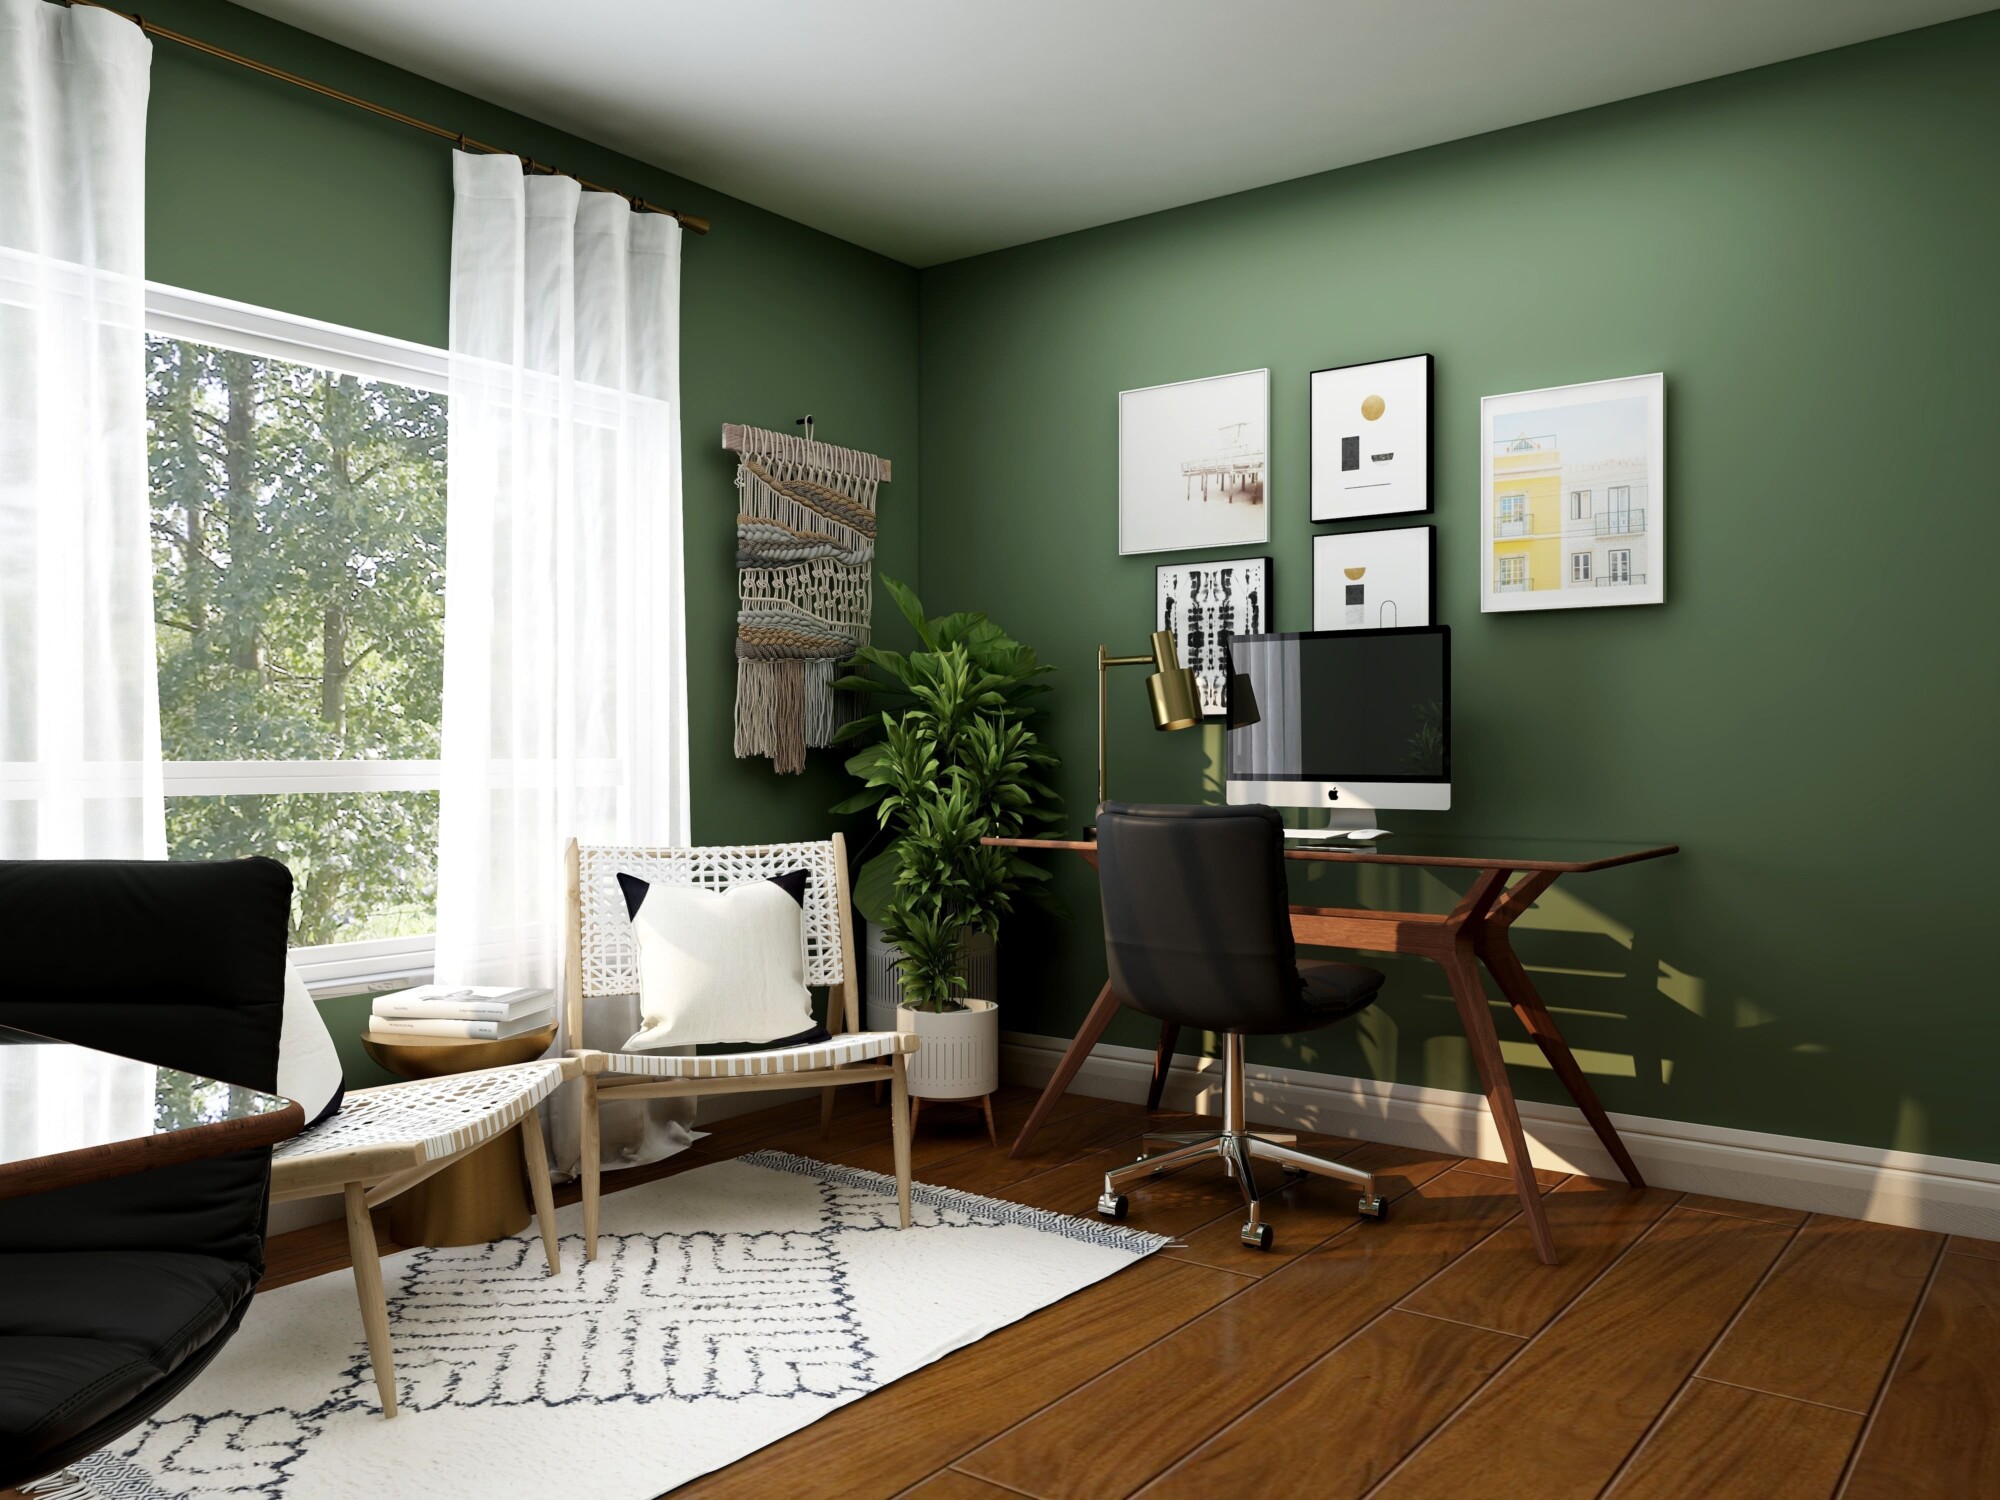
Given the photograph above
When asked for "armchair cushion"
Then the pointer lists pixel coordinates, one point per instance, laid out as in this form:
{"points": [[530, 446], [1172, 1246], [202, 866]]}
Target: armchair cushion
{"points": [[721, 965]]}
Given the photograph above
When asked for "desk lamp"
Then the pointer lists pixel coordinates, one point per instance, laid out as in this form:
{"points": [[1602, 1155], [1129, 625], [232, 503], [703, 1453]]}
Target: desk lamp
{"points": [[1171, 690]]}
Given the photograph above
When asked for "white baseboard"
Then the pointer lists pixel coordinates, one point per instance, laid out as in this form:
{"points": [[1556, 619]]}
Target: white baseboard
{"points": [[1859, 1182]]}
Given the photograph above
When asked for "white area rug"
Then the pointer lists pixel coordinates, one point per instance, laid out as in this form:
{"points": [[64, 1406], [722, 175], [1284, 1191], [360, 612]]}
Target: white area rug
{"points": [[728, 1306]]}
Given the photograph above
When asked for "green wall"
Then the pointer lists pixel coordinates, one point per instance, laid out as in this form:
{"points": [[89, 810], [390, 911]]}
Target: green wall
{"points": [[264, 193], [1807, 251]]}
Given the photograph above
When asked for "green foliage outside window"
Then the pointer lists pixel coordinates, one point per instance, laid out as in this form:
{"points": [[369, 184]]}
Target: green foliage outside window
{"points": [[298, 542]]}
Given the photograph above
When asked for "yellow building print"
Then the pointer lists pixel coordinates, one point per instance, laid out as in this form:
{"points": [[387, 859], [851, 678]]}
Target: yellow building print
{"points": [[1527, 514]]}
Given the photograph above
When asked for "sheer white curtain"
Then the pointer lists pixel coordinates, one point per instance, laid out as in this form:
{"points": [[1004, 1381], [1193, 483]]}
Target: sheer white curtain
{"points": [[79, 703], [565, 698]]}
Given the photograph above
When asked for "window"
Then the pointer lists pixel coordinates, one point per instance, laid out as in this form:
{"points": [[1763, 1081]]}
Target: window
{"points": [[1512, 572], [1513, 518], [298, 480], [1579, 505], [1618, 500], [1618, 565], [1579, 567]]}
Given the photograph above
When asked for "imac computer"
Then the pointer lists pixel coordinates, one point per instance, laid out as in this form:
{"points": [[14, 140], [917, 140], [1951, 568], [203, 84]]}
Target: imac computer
{"points": [[1357, 722]]}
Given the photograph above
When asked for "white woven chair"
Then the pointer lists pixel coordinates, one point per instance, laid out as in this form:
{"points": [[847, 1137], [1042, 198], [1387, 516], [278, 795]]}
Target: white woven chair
{"points": [[384, 1141], [603, 961]]}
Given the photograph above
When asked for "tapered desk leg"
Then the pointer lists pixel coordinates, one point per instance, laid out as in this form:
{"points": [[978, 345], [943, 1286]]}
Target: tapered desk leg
{"points": [[1462, 969], [1163, 1059], [1520, 991], [1086, 1038]]}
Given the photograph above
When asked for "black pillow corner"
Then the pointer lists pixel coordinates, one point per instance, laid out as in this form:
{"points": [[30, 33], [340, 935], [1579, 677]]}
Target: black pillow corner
{"points": [[793, 883], [635, 893]]}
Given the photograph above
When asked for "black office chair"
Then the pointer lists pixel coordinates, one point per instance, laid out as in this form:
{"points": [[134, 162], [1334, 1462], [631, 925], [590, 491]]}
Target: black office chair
{"points": [[115, 1294], [1197, 932]]}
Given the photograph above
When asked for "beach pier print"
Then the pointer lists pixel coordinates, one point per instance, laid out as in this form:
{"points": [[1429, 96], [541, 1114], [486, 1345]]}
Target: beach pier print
{"points": [[1194, 464]]}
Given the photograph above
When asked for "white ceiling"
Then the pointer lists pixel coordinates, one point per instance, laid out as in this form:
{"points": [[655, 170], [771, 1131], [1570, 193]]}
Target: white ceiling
{"points": [[934, 129]]}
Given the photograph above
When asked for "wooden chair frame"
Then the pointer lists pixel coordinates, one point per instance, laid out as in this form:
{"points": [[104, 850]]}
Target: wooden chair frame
{"points": [[366, 1177], [604, 1082]]}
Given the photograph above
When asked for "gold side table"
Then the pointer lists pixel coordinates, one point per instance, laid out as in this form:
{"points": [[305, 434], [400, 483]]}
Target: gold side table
{"points": [[485, 1196]]}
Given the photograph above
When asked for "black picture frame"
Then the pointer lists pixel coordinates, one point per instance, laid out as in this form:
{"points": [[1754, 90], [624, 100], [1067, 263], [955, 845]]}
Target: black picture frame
{"points": [[1324, 544], [1318, 505], [1212, 644]]}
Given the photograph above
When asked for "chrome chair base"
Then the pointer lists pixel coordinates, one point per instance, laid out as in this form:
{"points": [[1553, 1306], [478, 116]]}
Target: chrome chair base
{"points": [[1238, 1150]]}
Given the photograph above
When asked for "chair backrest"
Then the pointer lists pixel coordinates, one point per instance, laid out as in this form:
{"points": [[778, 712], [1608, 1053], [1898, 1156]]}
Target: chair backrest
{"points": [[1196, 922], [604, 961], [176, 963]]}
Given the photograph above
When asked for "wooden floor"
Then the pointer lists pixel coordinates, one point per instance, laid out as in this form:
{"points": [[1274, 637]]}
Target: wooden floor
{"points": [[1684, 1347]]}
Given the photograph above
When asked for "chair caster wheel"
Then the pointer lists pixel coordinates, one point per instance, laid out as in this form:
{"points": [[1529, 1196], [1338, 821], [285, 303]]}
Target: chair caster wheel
{"points": [[1112, 1205], [1376, 1207], [1256, 1236]]}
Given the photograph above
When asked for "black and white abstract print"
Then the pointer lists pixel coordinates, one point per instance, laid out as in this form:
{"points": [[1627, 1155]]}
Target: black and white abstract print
{"points": [[1204, 604]]}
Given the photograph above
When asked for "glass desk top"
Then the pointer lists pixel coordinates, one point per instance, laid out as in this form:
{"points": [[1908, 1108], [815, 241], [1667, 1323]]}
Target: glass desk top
{"points": [[1470, 851], [70, 1113]]}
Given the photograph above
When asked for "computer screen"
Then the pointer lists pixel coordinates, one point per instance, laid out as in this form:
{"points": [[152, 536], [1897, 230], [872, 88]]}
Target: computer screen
{"points": [[1341, 706]]}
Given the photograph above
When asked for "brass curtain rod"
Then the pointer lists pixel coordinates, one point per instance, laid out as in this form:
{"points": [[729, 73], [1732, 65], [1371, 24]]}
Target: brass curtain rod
{"points": [[693, 223]]}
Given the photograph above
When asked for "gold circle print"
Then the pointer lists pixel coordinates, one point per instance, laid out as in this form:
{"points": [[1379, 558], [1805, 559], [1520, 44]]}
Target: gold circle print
{"points": [[1372, 408]]}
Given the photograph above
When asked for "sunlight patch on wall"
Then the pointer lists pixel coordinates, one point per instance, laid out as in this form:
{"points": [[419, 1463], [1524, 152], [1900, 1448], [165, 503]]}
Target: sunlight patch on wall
{"points": [[1683, 989], [1559, 911], [1604, 1064]]}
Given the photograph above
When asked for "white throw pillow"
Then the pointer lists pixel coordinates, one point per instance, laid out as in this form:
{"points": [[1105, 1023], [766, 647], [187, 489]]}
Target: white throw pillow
{"points": [[721, 966], [308, 1066]]}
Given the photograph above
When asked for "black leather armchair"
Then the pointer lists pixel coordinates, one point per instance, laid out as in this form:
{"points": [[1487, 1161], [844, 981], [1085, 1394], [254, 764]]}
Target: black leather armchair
{"points": [[1198, 931], [115, 1294]]}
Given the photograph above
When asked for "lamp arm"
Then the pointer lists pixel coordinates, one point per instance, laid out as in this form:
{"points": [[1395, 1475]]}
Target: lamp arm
{"points": [[1106, 661]]}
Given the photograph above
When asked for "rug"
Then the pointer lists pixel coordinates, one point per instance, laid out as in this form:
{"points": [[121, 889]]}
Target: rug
{"points": [[729, 1306]]}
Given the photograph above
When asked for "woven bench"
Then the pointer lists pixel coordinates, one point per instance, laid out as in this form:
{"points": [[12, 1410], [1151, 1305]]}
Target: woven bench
{"points": [[384, 1141]]}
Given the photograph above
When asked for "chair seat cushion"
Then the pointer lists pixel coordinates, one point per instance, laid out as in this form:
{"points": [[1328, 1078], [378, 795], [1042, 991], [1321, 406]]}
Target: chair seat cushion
{"points": [[858, 1046], [83, 1334], [1333, 990]]}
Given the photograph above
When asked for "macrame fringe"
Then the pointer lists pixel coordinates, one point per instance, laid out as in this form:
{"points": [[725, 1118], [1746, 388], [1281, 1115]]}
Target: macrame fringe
{"points": [[68, 1485], [805, 548]]}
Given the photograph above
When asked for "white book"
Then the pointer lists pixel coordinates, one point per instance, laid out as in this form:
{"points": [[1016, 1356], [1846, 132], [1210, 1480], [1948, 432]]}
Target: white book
{"points": [[473, 1003], [483, 1031]]}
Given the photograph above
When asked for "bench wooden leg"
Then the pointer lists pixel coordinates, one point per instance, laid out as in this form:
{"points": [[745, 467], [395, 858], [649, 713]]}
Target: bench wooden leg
{"points": [[368, 1287], [899, 1116], [535, 1156], [590, 1169]]}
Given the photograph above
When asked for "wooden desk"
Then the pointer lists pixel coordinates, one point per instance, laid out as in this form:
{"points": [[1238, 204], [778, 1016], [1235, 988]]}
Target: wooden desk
{"points": [[72, 1114], [1472, 934]]}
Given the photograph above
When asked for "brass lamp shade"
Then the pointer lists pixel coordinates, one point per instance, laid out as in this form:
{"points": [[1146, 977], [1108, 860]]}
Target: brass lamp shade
{"points": [[1171, 690]]}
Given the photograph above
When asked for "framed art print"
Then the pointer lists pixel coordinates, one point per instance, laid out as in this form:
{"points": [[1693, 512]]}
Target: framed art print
{"points": [[1371, 439], [1194, 464], [1204, 604], [1374, 580], [1572, 496]]}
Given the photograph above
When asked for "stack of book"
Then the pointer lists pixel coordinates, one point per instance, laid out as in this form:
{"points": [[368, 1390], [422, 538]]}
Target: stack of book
{"points": [[478, 1012]]}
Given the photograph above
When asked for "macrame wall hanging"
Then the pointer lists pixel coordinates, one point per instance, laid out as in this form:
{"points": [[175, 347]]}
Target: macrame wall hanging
{"points": [[805, 553]]}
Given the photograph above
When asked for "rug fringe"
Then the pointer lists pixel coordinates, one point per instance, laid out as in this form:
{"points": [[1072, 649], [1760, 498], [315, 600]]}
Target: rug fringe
{"points": [[1048, 1221], [68, 1485]]}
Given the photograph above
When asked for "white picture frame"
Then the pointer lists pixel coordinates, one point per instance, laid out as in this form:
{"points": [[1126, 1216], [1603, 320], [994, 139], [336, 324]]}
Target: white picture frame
{"points": [[1194, 464], [1572, 496], [1204, 604], [1375, 580], [1371, 439]]}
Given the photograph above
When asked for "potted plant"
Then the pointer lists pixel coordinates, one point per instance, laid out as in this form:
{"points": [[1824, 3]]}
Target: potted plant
{"points": [[954, 764]]}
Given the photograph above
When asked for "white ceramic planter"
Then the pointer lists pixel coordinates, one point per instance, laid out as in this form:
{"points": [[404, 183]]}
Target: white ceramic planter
{"points": [[881, 994], [958, 1056]]}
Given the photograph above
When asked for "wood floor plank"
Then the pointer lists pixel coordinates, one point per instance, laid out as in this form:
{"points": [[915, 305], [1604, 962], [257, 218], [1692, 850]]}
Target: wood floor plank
{"points": [[1123, 1429], [1768, 1213], [1724, 1443], [1559, 1420], [908, 1431], [1305, 1213], [1056, 1144], [1502, 1283], [1936, 1435], [1337, 1428], [952, 1485], [1965, 1244], [1832, 1316], [1174, 1205], [1547, 1177]]}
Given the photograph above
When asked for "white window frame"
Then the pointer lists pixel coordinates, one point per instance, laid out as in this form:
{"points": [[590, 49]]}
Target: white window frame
{"points": [[246, 329], [1579, 505], [1618, 564], [1579, 567]]}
